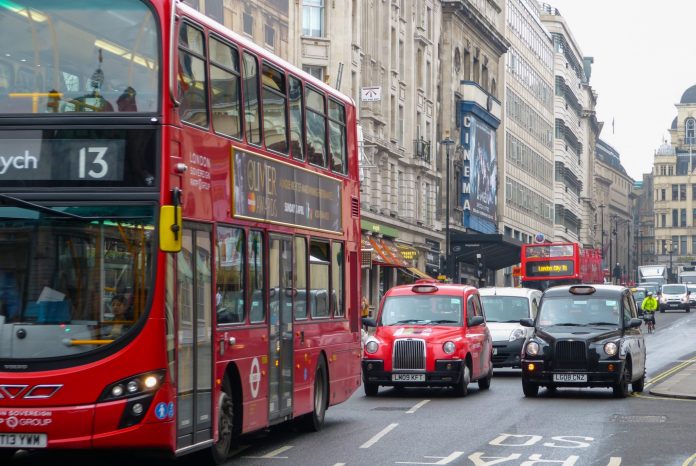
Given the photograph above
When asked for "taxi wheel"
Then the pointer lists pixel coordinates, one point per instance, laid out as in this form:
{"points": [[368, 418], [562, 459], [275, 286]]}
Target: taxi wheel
{"points": [[462, 388], [485, 383], [621, 387], [531, 390], [371, 389], [639, 384]]}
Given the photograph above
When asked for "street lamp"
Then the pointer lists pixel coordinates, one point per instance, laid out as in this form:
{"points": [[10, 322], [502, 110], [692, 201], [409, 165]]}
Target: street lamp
{"points": [[447, 142]]}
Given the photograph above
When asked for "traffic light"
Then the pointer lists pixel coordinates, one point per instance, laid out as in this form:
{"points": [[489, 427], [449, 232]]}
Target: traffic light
{"points": [[480, 268]]}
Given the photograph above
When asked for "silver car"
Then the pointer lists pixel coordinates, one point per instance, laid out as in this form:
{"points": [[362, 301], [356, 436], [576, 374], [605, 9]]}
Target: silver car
{"points": [[504, 307]]}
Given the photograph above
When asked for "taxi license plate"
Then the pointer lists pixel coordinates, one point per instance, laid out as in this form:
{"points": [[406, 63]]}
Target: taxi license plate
{"points": [[17, 440], [570, 377], [673, 305], [408, 377]]}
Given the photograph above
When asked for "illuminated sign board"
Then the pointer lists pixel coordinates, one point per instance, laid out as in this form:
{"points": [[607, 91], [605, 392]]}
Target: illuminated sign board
{"points": [[89, 157], [562, 268], [273, 191]]}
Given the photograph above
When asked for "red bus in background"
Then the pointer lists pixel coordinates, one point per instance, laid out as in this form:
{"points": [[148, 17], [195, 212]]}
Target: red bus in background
{"points": [[157, 159], [551, 264]]}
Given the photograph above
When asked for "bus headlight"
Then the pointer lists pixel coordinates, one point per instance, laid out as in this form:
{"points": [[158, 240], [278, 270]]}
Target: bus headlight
{"points": [[134, 386], [371, 347], [532, 348], [611, 348], [449, 347]]}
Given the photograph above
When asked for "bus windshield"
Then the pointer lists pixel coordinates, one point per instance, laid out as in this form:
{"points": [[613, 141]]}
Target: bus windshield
{"points": [[72, 279], [76, 56]]}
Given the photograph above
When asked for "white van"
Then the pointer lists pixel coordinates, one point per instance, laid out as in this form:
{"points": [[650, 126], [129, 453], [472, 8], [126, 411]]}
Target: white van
{"points": [[504, 307]]}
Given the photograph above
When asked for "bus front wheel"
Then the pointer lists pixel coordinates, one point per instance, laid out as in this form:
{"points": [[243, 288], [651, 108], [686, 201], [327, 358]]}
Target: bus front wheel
{"points": [[314, 421], [226, 417]]}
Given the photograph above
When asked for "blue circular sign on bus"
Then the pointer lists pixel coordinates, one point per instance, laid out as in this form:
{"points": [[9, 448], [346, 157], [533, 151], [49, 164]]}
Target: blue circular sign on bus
{"points": [[161, 411]]}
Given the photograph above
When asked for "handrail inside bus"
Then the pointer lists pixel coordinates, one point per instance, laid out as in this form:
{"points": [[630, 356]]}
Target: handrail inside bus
{"points": [[172, 47], [87, 342]]}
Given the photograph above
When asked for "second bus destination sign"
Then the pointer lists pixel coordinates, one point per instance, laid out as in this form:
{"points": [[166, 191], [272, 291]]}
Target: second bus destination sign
{"points": [[272, 191]]}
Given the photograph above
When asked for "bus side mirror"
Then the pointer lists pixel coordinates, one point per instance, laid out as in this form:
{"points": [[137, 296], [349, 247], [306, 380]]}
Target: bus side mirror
{"points": [[170, 228]]}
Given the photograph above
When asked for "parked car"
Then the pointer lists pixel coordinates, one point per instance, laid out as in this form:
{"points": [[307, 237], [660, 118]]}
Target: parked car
{"points": [[639, 295], [692, 295], [504, 307], [428, 334], [674, 296], [585, 336]]}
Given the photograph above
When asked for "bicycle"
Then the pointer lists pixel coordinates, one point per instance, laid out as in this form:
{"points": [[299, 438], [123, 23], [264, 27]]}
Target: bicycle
{"points": [[650, 322]]}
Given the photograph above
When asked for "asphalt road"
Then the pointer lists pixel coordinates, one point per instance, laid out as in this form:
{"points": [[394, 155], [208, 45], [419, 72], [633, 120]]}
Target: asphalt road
{"points": [[417, 426]]}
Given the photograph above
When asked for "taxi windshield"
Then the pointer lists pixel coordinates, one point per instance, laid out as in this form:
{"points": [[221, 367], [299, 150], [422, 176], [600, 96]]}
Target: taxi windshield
{"points": [[579, 311], [505, 308], [422, 310]]}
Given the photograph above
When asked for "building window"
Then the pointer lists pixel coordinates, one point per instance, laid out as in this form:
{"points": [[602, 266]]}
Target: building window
{"points": [[269, 36], [248, 21], [316, 71], [675, 217], [675, 192], [313, 18], [682, 192], [690, 136], [663, 194], [664, 220], [682, 216]]}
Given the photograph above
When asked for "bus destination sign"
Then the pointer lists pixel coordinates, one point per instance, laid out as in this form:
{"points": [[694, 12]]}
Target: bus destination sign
{"points": [[273, 191], [62, 159], [556, 268]]}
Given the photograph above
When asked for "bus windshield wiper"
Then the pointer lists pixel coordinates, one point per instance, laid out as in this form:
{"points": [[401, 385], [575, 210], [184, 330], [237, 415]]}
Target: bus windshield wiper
{"points": [[38, 207]]}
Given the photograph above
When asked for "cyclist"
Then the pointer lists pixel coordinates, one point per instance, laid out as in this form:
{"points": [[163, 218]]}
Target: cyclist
{"points": [[649, 306]]}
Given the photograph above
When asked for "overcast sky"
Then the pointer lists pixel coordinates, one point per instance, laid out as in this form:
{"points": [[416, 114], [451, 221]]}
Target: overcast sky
{"points": [[644, 60]]}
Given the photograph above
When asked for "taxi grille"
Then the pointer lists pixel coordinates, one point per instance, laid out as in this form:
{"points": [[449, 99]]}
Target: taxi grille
{"points": [[570, 355], [409, 354]]}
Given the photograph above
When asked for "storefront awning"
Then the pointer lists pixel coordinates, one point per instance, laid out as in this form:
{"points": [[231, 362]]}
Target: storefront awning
{"points": [[418, 273], [497, 251], [387, 253]]}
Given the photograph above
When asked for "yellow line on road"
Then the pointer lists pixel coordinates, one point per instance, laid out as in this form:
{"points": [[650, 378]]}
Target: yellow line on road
{"points": [[670, 371], [690, 460]]}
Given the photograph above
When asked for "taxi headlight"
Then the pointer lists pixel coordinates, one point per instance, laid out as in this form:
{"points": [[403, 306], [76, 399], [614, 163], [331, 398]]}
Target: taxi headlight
{"points": [[516, 334], [532, 348], [449, 347], [611, 348], [371, 347]]}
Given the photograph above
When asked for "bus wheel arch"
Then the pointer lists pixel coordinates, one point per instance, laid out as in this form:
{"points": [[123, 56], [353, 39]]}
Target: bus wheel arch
{"points": [[314, 420], [229, 412]]}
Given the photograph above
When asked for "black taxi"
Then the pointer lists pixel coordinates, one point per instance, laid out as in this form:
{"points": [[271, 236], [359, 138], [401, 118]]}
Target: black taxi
{"points": [[584, 336]]}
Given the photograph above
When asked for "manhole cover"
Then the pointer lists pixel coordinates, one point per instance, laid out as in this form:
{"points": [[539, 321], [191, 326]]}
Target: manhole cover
{"points": [[638, 419], [390, 408]]}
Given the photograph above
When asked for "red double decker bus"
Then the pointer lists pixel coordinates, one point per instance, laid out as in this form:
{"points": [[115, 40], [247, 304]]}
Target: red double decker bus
{"points": [[179, 232], [550, 264]]}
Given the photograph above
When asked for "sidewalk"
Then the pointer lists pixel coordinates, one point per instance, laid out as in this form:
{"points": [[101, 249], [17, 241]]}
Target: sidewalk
{"points": [[681, 384]]}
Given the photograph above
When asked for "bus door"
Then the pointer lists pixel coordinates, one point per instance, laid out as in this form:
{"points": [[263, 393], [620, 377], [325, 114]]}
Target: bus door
{"points": [[194, 362], [281, 291]]}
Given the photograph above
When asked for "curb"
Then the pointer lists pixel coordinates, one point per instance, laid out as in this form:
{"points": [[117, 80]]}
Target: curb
{"points": [[679, 384]]}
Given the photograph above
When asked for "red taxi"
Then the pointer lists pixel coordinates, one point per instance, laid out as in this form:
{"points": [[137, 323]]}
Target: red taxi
{"points": [[428, 334]]}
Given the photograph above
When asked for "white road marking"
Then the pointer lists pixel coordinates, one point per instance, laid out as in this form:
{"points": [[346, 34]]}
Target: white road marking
{"points": [[340, 464], [417, 406], [376, 438], [443, 460], [273, 454], [614, 461]]}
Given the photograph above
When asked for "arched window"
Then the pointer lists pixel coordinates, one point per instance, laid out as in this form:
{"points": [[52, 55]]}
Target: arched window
{"points": [[690, 137]]}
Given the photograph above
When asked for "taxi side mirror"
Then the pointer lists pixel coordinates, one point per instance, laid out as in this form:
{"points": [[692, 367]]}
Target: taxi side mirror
{"points": [[527, 322], [474, 321], [170, 228], [634, 323]]}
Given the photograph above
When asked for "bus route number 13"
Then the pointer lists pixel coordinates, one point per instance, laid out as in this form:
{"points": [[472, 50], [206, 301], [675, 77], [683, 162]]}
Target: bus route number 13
{"points": [[94, 156]]}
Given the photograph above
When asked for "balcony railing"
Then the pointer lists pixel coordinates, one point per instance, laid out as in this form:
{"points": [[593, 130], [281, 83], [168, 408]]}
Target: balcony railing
{"points": [[421, 149]]}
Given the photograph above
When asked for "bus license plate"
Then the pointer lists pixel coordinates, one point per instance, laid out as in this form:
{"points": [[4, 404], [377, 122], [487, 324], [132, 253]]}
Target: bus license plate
{"points": [[17, 440], [408, 377], [570, 378]]}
